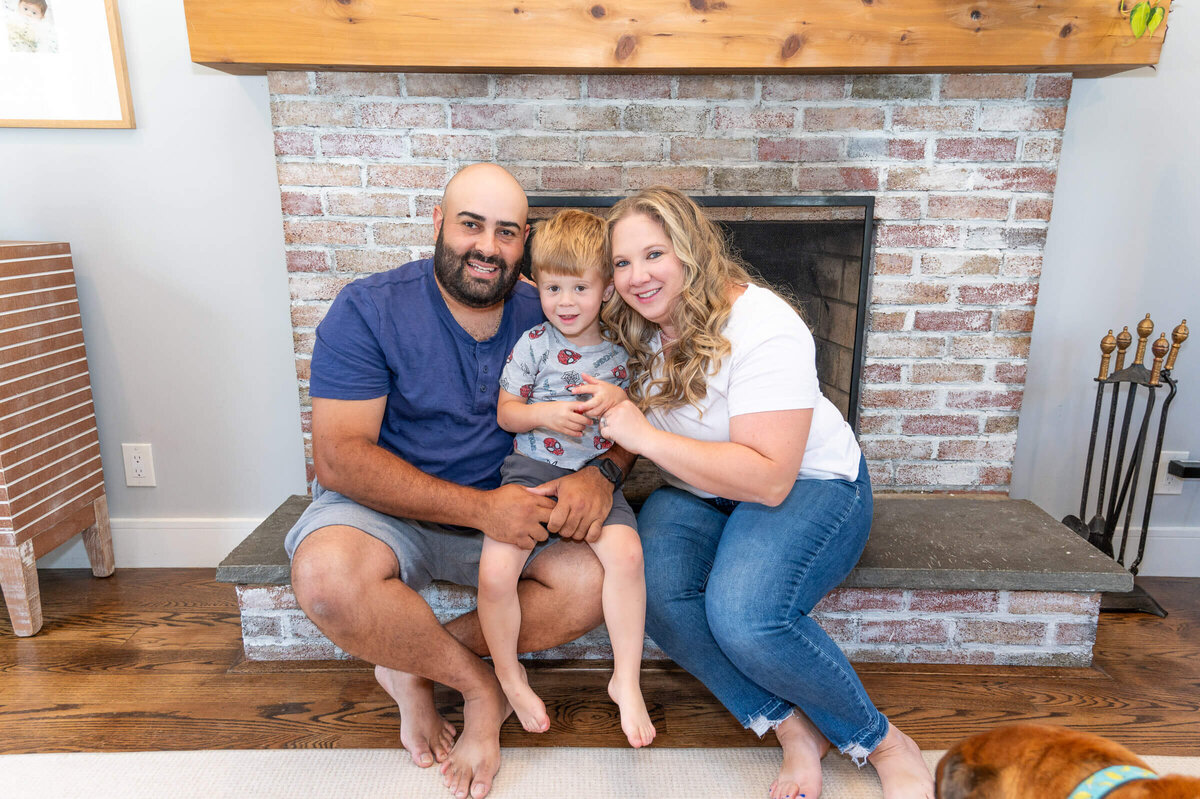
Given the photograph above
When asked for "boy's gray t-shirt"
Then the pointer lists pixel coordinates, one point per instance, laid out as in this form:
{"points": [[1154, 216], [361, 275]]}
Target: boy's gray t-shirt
{"points": [[541, 368]]}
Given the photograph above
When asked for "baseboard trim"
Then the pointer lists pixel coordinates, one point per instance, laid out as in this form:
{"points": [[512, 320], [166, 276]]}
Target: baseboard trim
{"points": [[161, 543], [1171, 552]]}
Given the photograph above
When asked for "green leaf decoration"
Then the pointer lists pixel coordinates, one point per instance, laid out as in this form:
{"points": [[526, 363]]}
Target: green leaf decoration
{"points": [[1138, 19], [1156, 19]]}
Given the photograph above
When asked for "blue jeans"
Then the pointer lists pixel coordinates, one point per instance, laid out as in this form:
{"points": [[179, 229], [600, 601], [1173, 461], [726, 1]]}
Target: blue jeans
{"points": [[728, 598]]}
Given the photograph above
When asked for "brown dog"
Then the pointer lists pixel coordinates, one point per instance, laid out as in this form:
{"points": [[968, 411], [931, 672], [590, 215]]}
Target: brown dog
{"points": [[1036, 761]]}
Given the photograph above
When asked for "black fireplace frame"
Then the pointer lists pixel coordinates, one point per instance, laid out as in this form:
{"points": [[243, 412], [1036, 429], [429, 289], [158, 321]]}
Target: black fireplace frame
{"points": [[866, 202]]}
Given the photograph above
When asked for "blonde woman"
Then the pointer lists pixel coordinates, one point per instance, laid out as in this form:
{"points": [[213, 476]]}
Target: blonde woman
{"points": [[769, 502]]}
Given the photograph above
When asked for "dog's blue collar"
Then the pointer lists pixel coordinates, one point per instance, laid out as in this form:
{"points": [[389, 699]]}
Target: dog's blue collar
{"points": [[1108, 779]]}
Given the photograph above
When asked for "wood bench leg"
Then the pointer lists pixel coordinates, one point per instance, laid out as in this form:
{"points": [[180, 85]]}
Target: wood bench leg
{"points": [[97, 539], [19, 580]]}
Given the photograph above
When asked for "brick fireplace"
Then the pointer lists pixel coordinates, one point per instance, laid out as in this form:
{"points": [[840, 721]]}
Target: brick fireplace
{"points": [[962, 169]]}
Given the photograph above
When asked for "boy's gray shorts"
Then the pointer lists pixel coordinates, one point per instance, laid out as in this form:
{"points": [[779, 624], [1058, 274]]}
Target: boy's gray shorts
{"points": [[527, 471]]}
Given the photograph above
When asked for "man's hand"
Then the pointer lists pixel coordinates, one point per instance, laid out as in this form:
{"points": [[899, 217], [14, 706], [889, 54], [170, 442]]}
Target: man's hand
{"points": [[563, 417], [514, 514], [584, 500], [604, 396]]}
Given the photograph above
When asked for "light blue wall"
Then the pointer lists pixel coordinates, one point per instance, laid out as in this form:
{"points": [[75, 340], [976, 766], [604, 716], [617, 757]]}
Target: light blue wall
{"points": [[178, 249], [1124, 241]]}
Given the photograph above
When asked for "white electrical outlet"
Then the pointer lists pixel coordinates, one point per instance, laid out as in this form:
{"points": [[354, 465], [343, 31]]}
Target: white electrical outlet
{"points": [[139, 465], [1167, 483]]}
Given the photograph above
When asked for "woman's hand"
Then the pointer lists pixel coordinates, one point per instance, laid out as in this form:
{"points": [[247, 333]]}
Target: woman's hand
{"points": [[605, 395], [563, 417], [625, 425]]}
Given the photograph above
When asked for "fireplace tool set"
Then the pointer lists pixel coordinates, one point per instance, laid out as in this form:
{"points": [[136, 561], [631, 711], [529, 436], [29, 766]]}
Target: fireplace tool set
{"points": [[1125, 465]]}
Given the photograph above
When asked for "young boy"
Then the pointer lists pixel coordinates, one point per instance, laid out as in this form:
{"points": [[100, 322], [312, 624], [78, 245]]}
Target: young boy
{"points": [[555, 436]]}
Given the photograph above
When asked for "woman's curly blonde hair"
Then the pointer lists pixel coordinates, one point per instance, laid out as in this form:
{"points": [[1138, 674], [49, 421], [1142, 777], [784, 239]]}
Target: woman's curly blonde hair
{"points": [[699, 315]]}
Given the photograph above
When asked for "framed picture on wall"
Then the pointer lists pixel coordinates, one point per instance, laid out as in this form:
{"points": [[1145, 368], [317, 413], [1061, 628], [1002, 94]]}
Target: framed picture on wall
{"points": [[63, 65]]}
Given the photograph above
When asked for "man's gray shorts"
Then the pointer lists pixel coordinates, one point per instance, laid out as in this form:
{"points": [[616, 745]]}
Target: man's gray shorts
{"points": [[425, 551]]}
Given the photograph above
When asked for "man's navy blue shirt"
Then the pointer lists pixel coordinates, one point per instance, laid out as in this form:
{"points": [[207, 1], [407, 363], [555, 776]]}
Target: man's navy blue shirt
{"points": [[392, 334]]}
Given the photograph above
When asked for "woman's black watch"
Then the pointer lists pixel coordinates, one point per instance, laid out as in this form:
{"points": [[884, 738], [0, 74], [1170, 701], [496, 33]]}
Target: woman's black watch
{"points": [[611, 471]]}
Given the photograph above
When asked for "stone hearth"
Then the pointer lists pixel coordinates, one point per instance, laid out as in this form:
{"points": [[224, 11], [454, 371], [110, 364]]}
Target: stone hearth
{"points": [[942, 580]]}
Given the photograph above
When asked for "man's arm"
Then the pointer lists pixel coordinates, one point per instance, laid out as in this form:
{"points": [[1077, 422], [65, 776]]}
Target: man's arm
{"points": [[349, 460], [584, 498]]}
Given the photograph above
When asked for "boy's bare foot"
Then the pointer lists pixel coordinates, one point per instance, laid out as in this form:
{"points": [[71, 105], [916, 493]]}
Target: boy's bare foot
{"points": [[423, 732], [530, 710], [803, 747], [475, 758], [902, 770], [635, 719]]}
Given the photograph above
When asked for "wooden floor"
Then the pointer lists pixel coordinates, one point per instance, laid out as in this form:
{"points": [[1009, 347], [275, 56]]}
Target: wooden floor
{"points": [[151, 659]]}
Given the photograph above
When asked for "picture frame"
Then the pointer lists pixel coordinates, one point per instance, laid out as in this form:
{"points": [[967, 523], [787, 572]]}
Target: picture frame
{"points": [[64, 65]]}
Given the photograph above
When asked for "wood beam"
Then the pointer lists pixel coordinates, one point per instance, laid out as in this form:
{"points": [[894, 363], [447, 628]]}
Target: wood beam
{"points": [[1086, 37]]}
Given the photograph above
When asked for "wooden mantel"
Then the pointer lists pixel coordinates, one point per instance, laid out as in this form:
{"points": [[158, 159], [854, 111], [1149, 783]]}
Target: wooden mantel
{"points": [[1089, 38]]}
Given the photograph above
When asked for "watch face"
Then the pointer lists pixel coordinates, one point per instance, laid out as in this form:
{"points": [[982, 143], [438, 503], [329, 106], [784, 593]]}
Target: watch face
{"points": [[610, 470]]}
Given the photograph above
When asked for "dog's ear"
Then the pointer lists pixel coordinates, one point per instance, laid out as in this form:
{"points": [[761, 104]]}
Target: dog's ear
{"points": [[957, 780]]}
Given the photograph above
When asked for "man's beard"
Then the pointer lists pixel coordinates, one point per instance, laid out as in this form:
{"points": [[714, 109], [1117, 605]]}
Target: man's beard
{"points": [[451, 271]]}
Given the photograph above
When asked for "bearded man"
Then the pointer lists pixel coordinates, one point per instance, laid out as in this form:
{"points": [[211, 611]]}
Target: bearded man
{"points": [[405, 379]]}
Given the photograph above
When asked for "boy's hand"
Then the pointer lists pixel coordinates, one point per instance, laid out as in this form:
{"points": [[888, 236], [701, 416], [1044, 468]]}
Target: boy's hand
{"points": [[563, 417], [604, 396]]}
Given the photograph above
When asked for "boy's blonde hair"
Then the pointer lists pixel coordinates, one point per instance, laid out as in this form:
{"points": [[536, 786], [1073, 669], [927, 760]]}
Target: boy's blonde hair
{"points": [[569, 243]]}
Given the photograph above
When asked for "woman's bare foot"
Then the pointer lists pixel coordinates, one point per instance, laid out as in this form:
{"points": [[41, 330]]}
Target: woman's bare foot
{"points": [[803, 747], [902, 770], [475, 758], [635, 719], [530, 710], [423, 732]]}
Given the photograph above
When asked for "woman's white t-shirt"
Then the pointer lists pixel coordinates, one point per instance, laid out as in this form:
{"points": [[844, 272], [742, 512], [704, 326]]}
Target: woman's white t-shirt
{"points": [[772, 367]]}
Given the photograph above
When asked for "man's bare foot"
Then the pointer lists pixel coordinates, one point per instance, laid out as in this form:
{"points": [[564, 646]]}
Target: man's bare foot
{"points": [[902, 770], [635, 719], [803, 747], [423, 732], [475, 758], [530, 710]]}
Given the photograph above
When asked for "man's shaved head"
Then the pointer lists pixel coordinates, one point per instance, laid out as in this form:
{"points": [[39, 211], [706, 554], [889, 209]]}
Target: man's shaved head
{"points": [[486, 187]]}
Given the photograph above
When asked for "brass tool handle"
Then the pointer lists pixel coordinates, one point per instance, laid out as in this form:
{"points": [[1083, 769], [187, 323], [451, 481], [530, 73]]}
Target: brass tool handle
{"points": [[1178, 336], [1123, 341], [1107, 345], [1145, 329], [1160, 350]]}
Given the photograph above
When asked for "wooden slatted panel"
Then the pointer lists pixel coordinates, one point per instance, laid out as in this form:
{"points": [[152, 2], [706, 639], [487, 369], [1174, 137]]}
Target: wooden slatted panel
{"points": [[69, 505], [31, 503], [58, 404], [12, 324], [18, 403], [38, 330], [49, 447], [56, 507], [48, 440], [11, 372], [39, 339], [14, 439], [64, 455]]}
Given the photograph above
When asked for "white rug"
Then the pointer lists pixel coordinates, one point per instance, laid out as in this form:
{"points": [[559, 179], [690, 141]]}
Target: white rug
{"points": [[527, 773]]}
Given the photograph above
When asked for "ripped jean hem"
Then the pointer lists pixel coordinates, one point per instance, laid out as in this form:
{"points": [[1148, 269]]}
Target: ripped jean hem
{"points": [[769, 717], [867, 742]]}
